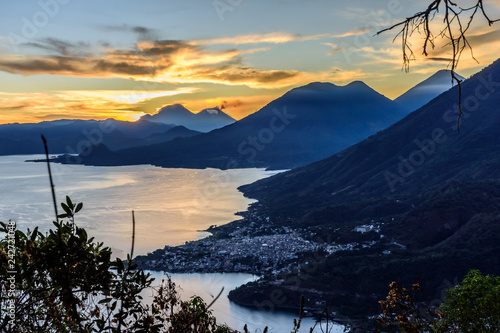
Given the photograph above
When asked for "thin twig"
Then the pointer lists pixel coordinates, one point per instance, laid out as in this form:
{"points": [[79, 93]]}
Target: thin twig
{"points": [[66, 282], [50, 177], [133, 236], [215, 299], [129, 264], [207, 308]]}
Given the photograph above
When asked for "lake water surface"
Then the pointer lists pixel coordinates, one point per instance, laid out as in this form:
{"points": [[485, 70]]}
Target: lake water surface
{"points": [[171, 207], [210, 284]]}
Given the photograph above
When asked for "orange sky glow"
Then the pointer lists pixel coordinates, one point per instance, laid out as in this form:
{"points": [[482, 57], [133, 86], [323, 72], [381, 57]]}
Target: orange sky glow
{"points": [[88, 64]]}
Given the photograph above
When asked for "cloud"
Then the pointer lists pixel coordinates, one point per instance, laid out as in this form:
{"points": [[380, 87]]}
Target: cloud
{"points": [[378, 56], [481, 38], [142, 32], [161, 47], [173, 61], [354, 32], [245, 76], [55, 65], [272, 38], [335, 48], [60, 47], [439, 59], [126, 96]]}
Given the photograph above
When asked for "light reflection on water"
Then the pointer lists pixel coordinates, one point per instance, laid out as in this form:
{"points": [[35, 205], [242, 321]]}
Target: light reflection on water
{"points": [[171, 205]]}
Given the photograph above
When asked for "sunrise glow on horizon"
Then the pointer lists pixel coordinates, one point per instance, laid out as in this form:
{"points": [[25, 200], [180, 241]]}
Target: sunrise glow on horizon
{"points": [[62, 59]]}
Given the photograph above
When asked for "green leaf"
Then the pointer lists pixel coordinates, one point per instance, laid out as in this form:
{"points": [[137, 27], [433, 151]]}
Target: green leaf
{"points": [[82, 233], [66, 209], [68, 201], [35, 233], [79, 207]]}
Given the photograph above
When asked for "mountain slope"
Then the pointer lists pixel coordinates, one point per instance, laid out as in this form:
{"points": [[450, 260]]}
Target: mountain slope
{"points": [[176, 132], [433, 194], [212, 118], [170, 114], [420, 151], [426, 90], [304, 125]]}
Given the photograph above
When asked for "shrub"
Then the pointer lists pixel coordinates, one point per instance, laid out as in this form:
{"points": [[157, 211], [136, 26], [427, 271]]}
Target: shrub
{"points": [[469, 307], [66, 282], [472, 306]]}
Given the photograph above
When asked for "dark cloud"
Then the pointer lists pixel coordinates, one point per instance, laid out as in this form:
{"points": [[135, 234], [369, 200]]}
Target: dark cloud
{"points": [[42, 65], [485, 38], [252, 75], [166, 47], [438, 59], [122, 68], [235, 103], [143, 33], [75, 66], [274, 76], [20, 106], [141, 30], [54, 45]]}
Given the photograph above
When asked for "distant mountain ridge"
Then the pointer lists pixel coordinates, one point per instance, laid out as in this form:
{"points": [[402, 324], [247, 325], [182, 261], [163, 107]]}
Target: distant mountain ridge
{"points": [[427, 90], [304, 125], [204, 121], [74, 136], [24, 138], [376, 166]]}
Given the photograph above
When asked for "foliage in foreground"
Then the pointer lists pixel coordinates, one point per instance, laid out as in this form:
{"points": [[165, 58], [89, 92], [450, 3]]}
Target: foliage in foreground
{"points": [[471, 306], [65, 282]]}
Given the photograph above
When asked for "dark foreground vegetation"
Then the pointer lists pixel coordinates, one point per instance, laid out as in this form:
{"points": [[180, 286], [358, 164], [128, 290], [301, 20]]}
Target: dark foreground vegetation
{"points": [[64, 281], [67, 282]]}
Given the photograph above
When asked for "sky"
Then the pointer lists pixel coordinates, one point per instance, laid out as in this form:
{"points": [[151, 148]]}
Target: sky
{"points": [[76, 59]]}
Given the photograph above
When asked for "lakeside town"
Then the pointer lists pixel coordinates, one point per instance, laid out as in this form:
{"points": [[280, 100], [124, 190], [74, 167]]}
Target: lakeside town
{"points": [[254, 245]]}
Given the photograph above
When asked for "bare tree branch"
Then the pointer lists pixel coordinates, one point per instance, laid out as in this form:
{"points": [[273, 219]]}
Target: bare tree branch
{"points": [[457, 21]]}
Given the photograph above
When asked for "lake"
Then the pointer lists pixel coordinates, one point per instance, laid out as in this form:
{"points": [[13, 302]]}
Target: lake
{"points": [[171, 207]]}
